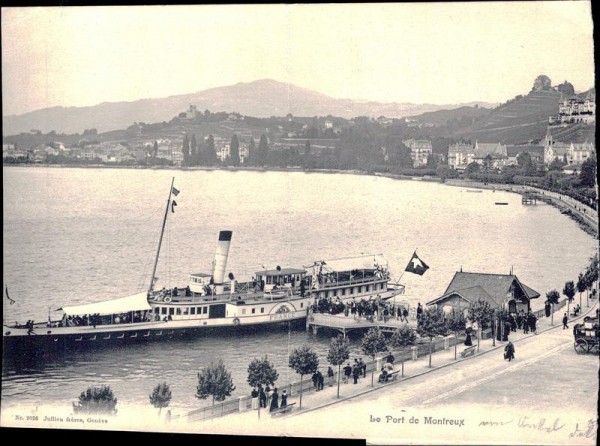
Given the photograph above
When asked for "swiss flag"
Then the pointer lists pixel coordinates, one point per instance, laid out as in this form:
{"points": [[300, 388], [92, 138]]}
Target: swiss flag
{"points": [[416, 265]]}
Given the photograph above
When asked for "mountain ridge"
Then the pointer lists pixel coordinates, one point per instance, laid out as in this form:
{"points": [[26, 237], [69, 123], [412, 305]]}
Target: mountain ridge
{"points": [[260, 98]]}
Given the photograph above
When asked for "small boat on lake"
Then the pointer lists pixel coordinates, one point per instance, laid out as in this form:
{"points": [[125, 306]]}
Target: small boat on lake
{"points": [[501, 203]]}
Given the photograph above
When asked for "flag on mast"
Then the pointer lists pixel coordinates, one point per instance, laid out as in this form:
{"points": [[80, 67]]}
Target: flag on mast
{"points": [[416, 265], [175, 191]]}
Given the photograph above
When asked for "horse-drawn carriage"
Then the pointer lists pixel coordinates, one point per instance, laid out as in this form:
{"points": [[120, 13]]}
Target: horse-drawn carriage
{"points": [[587, 337]]}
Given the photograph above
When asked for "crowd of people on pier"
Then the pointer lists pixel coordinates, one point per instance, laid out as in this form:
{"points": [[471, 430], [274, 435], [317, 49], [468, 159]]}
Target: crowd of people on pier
{"points": [[371, 309], [517, 321]]}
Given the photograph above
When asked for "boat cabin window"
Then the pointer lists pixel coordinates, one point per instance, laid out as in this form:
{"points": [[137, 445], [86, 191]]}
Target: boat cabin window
{"points": [[186, 311], [343, 291], [156, 310], [204, 310], [199, 310], [352, 290], [163, 310], [253, 310], [262, 309], [178, 311], [302, 305], [269, 280], [171, 311], [193, 310], [335, 292]]}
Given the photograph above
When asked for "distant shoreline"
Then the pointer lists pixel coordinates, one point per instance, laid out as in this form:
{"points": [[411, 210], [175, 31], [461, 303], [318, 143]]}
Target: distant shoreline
{"points": [[234, 169], [583, 223]]}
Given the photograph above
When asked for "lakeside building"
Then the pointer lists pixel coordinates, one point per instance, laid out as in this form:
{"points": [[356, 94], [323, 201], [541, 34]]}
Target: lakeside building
{"points": [[536, 152], [491, 155], [571, 153], [224, 152], [420, 149], [500, 291], [460, 155]]}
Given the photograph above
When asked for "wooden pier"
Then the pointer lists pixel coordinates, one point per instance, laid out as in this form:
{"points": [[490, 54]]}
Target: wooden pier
{"points": [[529, 198], [346, 324]]}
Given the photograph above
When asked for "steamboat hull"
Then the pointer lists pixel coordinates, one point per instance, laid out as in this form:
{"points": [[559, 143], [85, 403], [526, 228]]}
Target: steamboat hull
{"points": [[18, 343]]}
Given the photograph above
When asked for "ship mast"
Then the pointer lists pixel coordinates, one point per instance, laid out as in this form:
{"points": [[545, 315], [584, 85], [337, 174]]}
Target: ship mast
{"points": [[162, 231]]}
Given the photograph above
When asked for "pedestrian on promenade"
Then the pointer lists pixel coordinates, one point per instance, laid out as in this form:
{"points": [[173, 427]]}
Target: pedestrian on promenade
{"points": [[532, 323], [283, 399], [525, 324], [390, 358], [329, 376], [269, 396], [355, 373], [347, 373], [509, 351], [255, 401], [405, 314], [565, 320], [315, 380], [507, 327], [262, 397], [419, 311], [513, 323], [320, 380], [363, 367]]}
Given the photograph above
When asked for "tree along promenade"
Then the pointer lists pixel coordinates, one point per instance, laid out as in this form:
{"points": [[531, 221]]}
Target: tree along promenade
{"points": [[415, 360]]}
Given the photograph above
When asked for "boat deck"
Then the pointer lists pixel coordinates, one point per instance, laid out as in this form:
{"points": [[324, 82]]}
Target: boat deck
{"points": [[237, 297]]}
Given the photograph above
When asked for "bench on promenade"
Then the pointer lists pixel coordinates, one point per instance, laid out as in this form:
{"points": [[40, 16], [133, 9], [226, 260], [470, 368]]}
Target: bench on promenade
{"points": [[469, 351], [486, 334], [392, 376], [282, 410]]}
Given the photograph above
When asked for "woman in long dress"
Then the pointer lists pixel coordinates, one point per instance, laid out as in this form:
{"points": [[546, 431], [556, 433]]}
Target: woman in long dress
{"points": [[283, 399], [274, 400], [468, 341]]}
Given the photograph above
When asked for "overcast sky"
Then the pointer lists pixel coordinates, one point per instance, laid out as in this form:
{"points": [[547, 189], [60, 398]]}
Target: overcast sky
{"points": [[420, 53]]}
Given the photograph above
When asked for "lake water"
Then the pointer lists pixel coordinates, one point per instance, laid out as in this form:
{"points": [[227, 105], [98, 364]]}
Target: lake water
{"points": [[83, 235]]}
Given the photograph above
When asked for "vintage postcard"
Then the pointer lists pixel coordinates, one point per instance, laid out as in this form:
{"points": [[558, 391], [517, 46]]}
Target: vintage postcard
{"points": [[375, 222]]}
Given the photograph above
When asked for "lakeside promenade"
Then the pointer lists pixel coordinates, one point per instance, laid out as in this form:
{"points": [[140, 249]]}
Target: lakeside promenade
{"points": [[546, 380], [585, 212]]}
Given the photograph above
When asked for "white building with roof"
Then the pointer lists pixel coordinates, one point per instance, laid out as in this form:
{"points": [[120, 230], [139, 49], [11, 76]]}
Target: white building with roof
{"points": [[420, 150]]}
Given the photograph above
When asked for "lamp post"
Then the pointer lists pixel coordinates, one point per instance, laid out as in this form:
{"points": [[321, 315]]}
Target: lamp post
{"points": [[494, 329]]}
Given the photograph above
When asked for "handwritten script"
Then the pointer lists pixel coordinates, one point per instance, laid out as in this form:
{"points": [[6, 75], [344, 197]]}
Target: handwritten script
{"points": [[588, 431], [541, 425]]}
